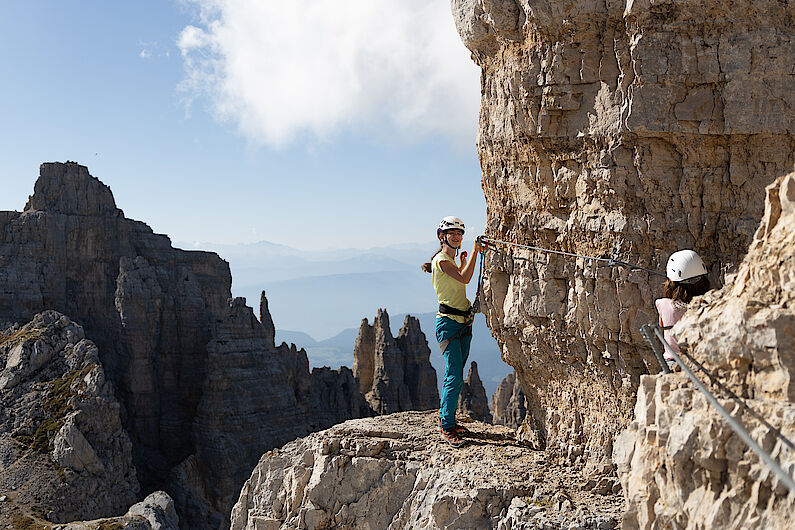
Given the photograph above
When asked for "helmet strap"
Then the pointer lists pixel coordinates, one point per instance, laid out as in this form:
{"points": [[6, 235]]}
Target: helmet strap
{"points": [[446, 242]]}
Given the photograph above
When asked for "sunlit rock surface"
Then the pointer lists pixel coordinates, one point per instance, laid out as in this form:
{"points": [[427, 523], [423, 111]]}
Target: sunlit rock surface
{"points": [[396, 472], [616, 129], [679, 461], [64, 455]]}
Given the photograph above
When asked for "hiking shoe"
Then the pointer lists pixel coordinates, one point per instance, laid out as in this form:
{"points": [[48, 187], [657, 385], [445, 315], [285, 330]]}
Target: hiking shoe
{"points": [[451, 437], [459, 429]]}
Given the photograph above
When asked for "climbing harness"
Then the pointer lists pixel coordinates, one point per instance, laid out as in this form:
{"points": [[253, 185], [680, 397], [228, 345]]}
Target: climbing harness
{"points": [[445, 309], [734, 424], [465, 331], [610, 261]]}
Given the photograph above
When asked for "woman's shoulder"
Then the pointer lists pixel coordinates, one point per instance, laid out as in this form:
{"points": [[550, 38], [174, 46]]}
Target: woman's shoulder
{"points": [[661, 303], [441, 256]]}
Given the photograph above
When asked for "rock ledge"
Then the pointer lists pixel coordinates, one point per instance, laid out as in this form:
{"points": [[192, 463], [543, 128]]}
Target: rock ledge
{"points": [[395, 472]]}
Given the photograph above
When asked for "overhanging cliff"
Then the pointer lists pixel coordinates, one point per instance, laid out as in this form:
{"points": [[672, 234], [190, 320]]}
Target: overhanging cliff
{"points": [[616, 129]]}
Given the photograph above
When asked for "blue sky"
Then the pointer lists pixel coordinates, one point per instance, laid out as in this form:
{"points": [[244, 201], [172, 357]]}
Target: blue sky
{"points": [[310, 123]]}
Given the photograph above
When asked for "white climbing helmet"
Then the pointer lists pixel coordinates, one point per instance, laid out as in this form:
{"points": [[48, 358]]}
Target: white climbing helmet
{"points": [[685, 265], [449, 223]]}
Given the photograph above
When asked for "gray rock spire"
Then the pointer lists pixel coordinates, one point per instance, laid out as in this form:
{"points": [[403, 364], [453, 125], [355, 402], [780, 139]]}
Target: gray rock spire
{"points": [[473, 401], [69, 189], [508, 406], [394, 374], [267, 321]]}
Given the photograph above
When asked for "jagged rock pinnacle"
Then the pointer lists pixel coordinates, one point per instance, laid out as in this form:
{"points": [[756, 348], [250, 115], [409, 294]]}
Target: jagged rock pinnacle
{"points": [[473, 401], [394, 374], [68, 188]]}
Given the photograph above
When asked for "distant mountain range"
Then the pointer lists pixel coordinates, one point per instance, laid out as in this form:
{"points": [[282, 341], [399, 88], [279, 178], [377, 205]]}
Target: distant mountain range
{"points": [[326, 293]]}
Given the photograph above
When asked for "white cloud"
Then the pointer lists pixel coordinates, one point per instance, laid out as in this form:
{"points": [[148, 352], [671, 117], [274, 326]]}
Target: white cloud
{"points": [[280, 70], [150, 50]]}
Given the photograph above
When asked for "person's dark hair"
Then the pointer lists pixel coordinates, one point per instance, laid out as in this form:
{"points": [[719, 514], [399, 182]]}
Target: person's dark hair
{"points": [[427, 266], [684, 292]]}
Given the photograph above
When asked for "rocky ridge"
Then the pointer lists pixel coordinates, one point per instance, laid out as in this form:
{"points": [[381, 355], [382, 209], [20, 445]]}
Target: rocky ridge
{"points": [[64, 454], [616, 129], [395, 472], [191, 367], [679, 461]]}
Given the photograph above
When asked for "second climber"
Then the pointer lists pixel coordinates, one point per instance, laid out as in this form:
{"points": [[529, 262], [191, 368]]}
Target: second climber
{"points": [[687, 277]]}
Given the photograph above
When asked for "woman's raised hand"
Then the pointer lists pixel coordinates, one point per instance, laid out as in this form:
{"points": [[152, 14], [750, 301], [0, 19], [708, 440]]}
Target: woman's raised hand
{"points": [[478, 246]]}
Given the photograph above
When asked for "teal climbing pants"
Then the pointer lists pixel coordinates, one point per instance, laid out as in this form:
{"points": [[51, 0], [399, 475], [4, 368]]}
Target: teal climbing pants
{"points": [[455, 353]]}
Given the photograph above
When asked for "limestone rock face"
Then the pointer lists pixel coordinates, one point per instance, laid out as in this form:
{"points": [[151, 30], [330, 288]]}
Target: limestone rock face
{"points": [[203, 388], [395, 472], [63, 451], [616, 129], [394, 374], [473, 401], [508, 406], [679, 461], [247, 404], [155, 512], [150, 308]]}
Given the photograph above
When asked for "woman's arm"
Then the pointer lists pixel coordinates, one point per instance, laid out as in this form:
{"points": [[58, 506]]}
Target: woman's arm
{"points": [[464, 273]]}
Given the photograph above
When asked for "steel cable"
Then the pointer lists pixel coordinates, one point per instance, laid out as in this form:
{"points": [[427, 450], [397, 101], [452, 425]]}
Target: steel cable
{"points": [[610, 261], [734, 424]]}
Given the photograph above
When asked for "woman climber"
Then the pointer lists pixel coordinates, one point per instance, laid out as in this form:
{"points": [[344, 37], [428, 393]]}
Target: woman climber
{"points": [[687, 277], [454, 319]]}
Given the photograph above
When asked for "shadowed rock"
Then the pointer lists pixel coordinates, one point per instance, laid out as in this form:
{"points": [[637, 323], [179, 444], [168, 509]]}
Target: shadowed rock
{"points": [[399, 372], [203, 388], [508, 405], [473, 401]]}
